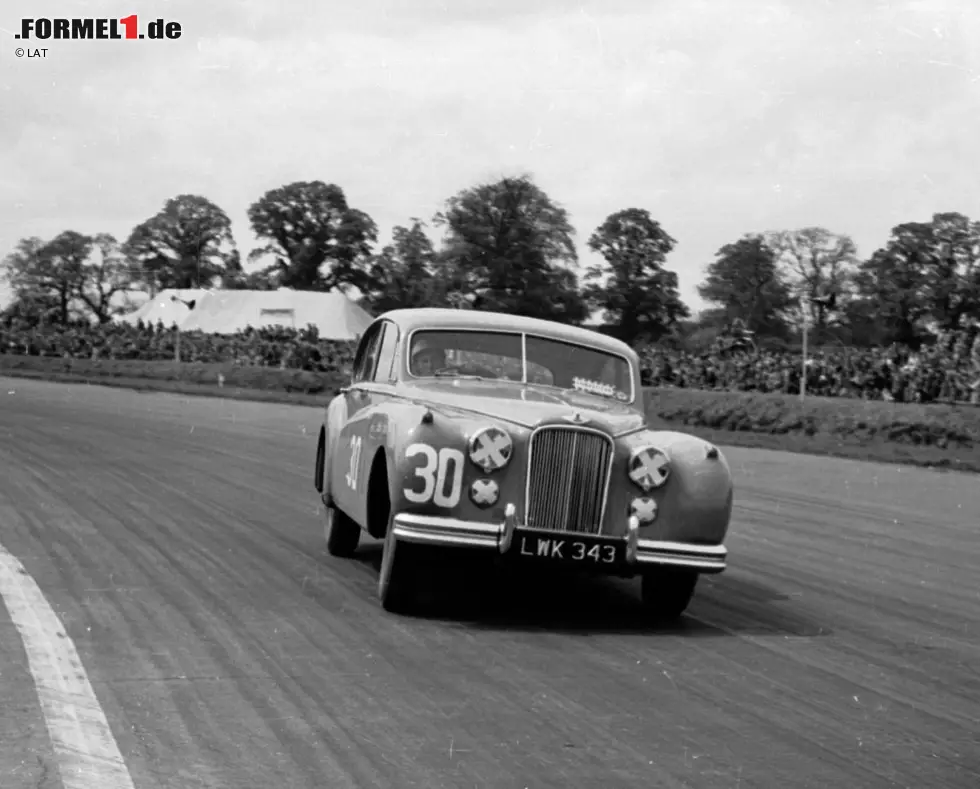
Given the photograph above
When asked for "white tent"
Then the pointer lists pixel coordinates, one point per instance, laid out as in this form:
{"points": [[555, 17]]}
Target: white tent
{"points": [[164, 308], [229, 311]]}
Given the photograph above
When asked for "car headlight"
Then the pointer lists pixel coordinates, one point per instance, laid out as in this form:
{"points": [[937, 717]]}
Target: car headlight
{"points": [[490, 449], [644, 508], [484, 492], [649, 468]]}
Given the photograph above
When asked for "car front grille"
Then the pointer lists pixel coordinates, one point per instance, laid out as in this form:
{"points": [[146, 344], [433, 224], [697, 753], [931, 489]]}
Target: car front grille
{"points": [[567, 477]]}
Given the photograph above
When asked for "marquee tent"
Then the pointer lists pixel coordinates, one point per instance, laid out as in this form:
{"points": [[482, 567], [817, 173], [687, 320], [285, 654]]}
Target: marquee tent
{"points": [[229, 311], [163, 308]]}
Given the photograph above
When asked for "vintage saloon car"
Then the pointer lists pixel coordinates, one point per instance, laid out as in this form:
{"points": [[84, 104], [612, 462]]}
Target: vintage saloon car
{"points": [[522, 438]]}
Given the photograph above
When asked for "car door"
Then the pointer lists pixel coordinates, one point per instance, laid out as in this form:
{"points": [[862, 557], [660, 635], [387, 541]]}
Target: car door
{"points": [[369, 386]]}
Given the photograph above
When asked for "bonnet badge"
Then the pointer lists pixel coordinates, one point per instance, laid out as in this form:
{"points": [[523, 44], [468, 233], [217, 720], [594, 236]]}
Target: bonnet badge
{"points": [[576, 418]]}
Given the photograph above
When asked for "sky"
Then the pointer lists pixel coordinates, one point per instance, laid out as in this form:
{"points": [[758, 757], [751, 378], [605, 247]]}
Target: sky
{"points": [[720, 118]]}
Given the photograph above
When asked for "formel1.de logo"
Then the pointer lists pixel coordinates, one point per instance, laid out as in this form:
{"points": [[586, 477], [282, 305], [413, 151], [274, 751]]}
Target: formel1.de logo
{"points": [[81, 29]]}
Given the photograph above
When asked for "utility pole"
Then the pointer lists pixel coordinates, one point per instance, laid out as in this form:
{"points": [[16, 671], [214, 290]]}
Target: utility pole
{"points": [[805, 305], [190, 305]]}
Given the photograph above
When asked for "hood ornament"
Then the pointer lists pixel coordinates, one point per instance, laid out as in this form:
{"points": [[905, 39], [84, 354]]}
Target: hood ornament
{"points": [[576, 419]]}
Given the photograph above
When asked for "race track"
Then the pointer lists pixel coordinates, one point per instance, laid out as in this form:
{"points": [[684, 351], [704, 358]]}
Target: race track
{"points": [[180, 542]]}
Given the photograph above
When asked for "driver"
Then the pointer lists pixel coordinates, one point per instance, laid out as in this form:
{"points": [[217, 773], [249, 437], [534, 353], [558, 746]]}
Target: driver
{"points": [[427, 358]]}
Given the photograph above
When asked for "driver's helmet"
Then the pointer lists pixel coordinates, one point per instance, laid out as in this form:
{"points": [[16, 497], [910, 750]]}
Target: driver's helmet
{"points": [[427, 357]]}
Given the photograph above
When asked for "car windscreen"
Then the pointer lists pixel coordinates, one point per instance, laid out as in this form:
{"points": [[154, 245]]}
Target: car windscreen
{"points": [[550, 362]]}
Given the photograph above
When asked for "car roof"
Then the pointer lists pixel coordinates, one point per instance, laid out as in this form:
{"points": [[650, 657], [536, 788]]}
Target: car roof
{"points": [[447, 318]]}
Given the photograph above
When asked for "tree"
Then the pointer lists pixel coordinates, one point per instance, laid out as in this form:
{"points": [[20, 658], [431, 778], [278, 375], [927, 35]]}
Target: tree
{"points": [[891, 280], [403, 272], [317, 240], [23, 271], [816, 263], [637, 294], [255, 280], [69, 272], [951, 244], [34, 309], [103, 276], [56, 270], [509, 247], [233, 271], [926, 271], [188, 244], [745, 282], [20, 267]]}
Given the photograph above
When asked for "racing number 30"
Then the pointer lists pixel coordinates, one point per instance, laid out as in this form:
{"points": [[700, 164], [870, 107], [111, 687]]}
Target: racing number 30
{"points": [[442, 469], [355, 461]]}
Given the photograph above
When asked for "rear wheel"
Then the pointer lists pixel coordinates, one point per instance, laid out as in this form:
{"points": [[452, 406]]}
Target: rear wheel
{"points": [[341, 532], [667, 593], [321, 456]]}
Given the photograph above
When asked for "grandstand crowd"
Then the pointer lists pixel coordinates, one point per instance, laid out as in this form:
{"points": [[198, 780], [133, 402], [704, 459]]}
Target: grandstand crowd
{"points": [[946, 371], [267, 347]]}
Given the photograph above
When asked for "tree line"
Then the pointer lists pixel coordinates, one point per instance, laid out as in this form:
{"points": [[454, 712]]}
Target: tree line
{"points": [[509, 246]]}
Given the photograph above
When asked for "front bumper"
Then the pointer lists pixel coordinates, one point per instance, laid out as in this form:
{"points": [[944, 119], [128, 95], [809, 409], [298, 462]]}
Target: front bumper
{"points": [[640, 553]]}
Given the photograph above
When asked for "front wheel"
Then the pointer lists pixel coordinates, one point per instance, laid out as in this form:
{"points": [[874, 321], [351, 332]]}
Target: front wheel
{"points": [[667, 593], [341, 532]]}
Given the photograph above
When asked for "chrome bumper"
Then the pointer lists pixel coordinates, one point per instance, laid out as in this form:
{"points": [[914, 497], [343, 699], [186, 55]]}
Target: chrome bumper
{"points": [[437, 530], [640, 553]]}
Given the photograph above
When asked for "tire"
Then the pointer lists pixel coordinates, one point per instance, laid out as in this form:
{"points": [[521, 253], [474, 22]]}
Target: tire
{"points": [[342, 534], [397, 581], [321, 456], [667, 593]]}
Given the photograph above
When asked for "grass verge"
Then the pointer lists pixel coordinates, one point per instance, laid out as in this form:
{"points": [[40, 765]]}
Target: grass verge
{"points": [[936, 435], [942, 436], [193, 378]]}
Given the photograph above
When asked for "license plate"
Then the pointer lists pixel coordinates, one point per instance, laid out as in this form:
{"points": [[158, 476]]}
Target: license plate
{"points": [[568, 549]]}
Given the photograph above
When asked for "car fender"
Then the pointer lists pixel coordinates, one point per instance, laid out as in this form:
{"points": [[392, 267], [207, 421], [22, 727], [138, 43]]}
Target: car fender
{"points": [[429, 469], [426, 465], [400, 428], [334, 420], [695, 504], [411, 426], [370, 430]]}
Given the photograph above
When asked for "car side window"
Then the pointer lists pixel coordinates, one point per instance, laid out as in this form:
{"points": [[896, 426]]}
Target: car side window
{"points": [[367, 354], [386, 352]]}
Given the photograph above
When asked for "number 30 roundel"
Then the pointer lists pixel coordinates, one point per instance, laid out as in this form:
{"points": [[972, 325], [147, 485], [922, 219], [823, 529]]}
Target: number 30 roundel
{"points": [[441, 475]]}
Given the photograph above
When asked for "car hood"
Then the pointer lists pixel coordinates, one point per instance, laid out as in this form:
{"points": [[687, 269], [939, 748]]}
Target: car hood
{"points": [[527, 406]]}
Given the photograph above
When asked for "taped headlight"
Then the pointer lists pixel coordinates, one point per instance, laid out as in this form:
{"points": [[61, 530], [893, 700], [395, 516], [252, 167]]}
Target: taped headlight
{"points": [[484, 492], [649, 468], [644, 508], [490, 449]]}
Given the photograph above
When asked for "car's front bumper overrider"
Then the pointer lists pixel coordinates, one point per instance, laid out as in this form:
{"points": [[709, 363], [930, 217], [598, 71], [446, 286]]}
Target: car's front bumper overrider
{"points": [[640, 553]]}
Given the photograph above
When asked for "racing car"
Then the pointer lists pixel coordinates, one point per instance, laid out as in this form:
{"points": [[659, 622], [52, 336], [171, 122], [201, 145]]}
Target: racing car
{"points": [[522, 438]]}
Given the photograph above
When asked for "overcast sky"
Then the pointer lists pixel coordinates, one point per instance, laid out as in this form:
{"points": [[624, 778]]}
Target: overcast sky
{"points": [[720, 118]]}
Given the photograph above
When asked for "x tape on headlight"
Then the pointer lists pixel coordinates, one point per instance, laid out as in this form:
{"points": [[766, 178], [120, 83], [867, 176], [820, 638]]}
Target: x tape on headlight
{"points": [[490, 449], [649, 468]]}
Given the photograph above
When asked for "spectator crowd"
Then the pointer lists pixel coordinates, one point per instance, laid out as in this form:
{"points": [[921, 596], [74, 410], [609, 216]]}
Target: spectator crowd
{"points": [[948, 370], [266, 347]]}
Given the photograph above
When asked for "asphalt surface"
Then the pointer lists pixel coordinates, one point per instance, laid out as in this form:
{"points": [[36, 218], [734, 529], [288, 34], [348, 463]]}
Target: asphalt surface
{"points": [[180, 541]]}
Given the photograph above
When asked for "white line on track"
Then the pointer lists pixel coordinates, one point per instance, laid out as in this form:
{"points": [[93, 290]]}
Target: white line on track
{"points": [[87, 754]]}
